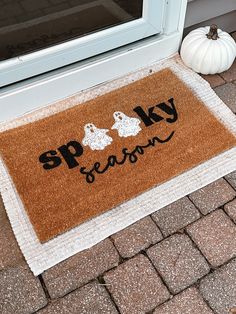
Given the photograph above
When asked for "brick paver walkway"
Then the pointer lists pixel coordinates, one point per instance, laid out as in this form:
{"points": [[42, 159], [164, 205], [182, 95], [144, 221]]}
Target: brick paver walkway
{"points": [[179, 260]]}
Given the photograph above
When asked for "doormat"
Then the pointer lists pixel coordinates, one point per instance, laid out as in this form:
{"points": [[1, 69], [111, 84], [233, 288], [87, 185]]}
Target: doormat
{"points": [[79, 163], [41, 256]]}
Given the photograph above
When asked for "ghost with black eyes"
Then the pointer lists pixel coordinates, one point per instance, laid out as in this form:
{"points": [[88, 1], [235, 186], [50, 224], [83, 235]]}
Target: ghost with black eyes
{"points": [[126, 126], [96, 138]]}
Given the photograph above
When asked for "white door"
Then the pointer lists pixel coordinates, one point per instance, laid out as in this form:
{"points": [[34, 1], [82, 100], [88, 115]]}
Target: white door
{"points": [[37, 37], [47, 56]]}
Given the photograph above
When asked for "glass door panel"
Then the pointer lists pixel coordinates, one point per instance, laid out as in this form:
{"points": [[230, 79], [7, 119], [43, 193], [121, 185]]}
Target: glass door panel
{"points": [[37, 25], [39, 36]]}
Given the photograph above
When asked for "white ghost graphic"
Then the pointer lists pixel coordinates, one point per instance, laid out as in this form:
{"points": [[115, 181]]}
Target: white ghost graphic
{"points": [[95, 138], [125, 125]]}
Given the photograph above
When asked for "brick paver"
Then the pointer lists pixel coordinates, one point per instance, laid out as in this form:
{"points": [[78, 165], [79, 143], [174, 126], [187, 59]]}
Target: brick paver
{"points": [[135, 286], [219, 289], [178, 262], [231, 178], [215, 235], [20, 291], [90, 299], [137, 237], [80, 268], [10, 254], [176, 216], [227, 93], [213, 196], [230, 209], [187, 302], [230, 75], [214, 80]]}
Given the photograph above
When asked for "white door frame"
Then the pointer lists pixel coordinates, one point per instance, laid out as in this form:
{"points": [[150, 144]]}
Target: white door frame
{"points": [[28, 65], [34, 93]]}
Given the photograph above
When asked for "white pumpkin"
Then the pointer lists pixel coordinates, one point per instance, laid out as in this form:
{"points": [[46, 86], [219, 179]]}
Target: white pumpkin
{"points": [[208, 50]]}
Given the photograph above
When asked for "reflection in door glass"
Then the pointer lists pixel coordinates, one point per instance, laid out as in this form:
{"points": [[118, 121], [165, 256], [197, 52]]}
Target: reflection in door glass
{"points": [[30, 25]]}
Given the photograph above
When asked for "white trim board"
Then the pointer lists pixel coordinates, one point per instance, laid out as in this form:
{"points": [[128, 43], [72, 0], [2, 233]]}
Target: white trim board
{"points": [[43, 256]]}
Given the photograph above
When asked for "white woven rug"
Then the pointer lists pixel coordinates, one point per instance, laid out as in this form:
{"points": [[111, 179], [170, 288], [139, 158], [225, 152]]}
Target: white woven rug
{"points": [[43, 256]]}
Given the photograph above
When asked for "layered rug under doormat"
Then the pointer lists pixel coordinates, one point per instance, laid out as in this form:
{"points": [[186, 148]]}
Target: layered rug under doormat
{"points": [[81, 169]]}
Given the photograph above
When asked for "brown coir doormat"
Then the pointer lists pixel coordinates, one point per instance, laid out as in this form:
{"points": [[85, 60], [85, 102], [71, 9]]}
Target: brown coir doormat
{"points": [[76, 164]]}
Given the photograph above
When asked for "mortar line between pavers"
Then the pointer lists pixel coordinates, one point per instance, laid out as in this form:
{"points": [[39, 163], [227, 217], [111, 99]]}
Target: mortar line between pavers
{"points": [[121, 259], [134, 256], [45, 289], [223, 208], [198, 249], [198, 209], [197, 284], [157, 225], [225, 82], [162, 279], [210, 273], [234, 188], [101, 280]]}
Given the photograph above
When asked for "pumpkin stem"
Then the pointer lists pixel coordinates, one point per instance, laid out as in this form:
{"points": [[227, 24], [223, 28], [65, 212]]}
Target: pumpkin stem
{"points": [[213, 34]]}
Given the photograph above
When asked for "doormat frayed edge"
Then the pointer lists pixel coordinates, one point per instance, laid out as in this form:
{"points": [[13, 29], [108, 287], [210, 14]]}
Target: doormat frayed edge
{"points": [[39, 256]]}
